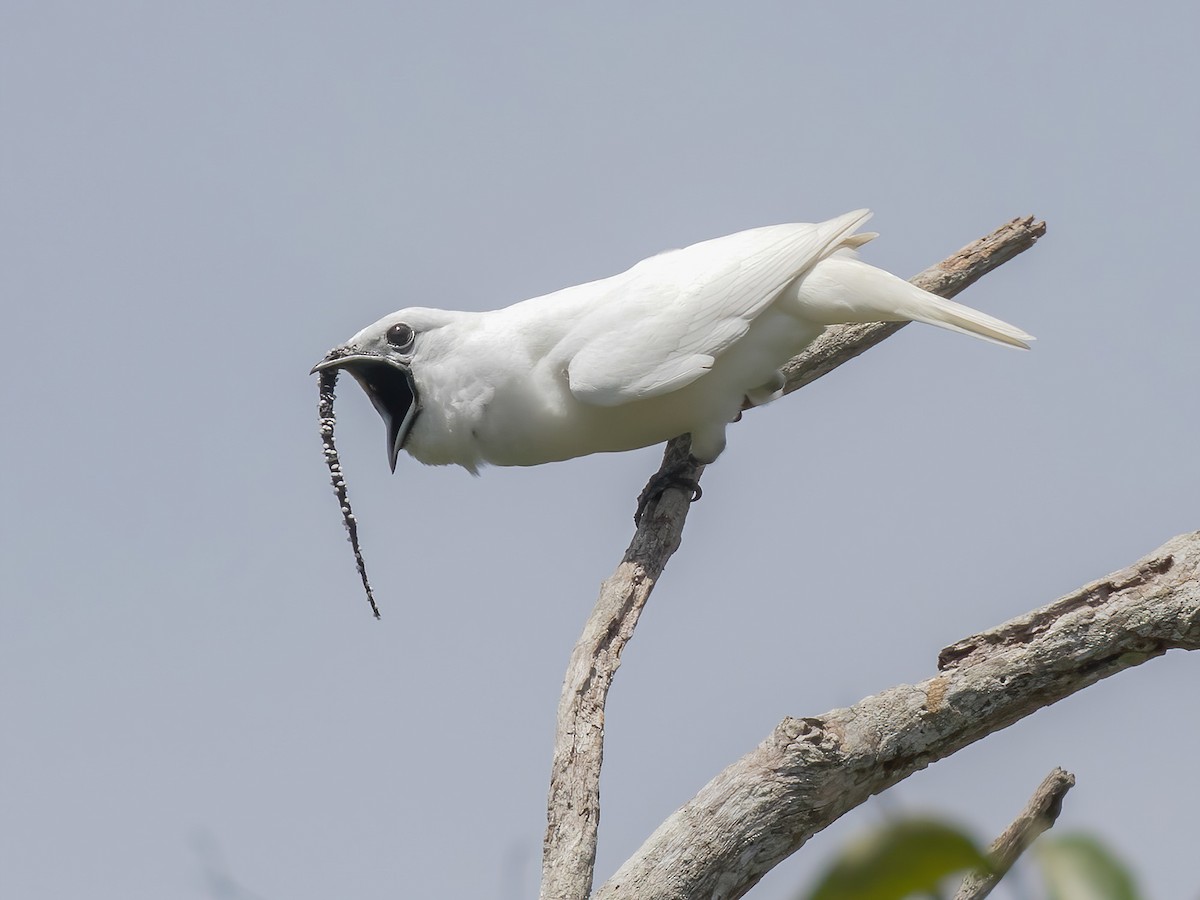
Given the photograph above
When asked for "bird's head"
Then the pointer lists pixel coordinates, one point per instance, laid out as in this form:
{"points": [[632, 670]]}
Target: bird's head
{"points": [[382, 358]]}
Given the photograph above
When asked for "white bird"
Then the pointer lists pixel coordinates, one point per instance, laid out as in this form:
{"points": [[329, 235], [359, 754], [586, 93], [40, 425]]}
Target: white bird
{"points": [[677, 344]]}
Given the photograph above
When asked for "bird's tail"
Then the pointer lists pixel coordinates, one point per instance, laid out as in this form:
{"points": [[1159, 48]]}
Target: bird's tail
{"points": [[842, 289]]}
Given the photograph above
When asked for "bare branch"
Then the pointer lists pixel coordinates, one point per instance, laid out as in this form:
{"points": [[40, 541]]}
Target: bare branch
{"points": [[573, 807], [569, 849], [1037, 817], [811, 771]]}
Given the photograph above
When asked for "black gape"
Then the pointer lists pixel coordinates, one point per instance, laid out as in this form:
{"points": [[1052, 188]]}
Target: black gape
{"points": [[326, 382]]}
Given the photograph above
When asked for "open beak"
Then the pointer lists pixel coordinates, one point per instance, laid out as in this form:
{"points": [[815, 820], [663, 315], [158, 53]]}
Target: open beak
{"points": [[390, 387]]}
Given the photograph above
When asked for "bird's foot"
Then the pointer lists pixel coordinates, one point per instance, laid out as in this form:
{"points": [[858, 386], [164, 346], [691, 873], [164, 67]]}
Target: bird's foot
{"points": [[663, 481]]}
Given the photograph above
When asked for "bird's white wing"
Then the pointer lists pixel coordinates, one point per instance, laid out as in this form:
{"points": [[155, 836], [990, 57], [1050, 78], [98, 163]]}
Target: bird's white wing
{"points": [[661, 325]]}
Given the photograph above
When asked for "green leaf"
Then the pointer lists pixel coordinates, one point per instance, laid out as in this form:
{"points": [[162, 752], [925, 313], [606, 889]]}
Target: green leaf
{"points": [[1079, 867], [898, 860]]}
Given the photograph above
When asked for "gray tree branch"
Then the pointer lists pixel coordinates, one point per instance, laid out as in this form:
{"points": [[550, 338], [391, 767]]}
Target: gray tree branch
{"points": [[811, 771], [1039, 814], [573, 806]]}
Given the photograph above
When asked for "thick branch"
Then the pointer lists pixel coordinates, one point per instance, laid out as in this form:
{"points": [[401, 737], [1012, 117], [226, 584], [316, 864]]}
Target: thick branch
{"points": [[573, 807], [1039, 814], [809, 772]]}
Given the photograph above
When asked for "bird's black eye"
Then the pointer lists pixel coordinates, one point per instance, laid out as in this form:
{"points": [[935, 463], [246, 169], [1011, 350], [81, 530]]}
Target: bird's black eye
{"points": [[401, 336]]}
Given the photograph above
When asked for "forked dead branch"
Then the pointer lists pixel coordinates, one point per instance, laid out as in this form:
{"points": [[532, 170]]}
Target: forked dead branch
{"points": [[809, 772]]}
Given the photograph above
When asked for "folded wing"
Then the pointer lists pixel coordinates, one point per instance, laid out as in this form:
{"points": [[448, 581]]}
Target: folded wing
{"points": [[661, 325]]}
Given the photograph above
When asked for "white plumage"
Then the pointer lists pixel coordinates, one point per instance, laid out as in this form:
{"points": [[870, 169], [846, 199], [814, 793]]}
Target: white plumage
{"points": [[673, 345]]}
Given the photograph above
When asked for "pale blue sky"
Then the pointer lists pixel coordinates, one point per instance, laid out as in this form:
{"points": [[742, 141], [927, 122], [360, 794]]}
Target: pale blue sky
{"points": [[197, 201]]}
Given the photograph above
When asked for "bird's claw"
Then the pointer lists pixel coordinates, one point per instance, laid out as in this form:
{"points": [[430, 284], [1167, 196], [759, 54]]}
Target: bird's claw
{"points": [[660, 483]]}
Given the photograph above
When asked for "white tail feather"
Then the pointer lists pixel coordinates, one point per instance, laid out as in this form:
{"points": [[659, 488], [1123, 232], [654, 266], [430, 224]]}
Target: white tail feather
{"points": [[839, 289]]}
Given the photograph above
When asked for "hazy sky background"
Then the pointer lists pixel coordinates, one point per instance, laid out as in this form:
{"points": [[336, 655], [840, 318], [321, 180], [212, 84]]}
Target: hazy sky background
{"points": [[198, 200]]}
